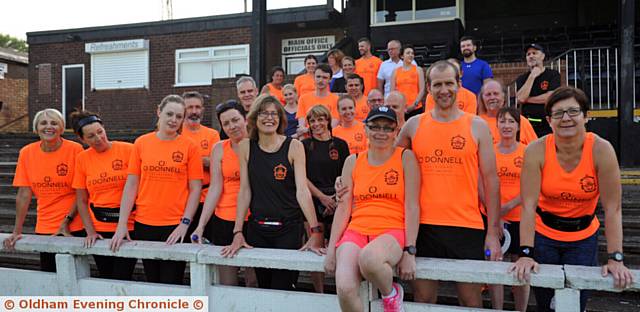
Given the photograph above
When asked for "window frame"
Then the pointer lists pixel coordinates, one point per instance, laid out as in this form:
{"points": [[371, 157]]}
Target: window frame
{"points": [[210, 59], [459, 15]]}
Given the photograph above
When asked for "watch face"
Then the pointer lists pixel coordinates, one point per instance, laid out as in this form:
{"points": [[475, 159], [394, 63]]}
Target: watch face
{"points": [[617, 256], [526, 251]]}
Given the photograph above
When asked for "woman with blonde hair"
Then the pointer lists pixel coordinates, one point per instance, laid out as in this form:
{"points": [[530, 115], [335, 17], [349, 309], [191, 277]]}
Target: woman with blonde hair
{"points": [[291, 109], [45, 170]]}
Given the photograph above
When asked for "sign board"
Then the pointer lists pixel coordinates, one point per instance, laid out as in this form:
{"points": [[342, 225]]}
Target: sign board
{"points": [[4, 68], [307, 44], [116, 46]]}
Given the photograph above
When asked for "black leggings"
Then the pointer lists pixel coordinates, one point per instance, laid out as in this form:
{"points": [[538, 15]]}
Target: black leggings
{"points": [[48, 260], [288, 236], [114, 267], [159, 271]]}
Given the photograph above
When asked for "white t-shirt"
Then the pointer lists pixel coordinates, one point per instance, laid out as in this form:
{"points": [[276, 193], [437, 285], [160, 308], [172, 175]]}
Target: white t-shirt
{"points": [[386, 71]]}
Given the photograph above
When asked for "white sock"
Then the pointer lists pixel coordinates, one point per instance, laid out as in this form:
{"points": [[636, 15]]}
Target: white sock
{"points": [[391, 294]]}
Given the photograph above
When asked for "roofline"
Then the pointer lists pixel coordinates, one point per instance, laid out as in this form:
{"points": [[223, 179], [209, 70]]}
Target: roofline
{"points": [[274, 17], [13, 57]]}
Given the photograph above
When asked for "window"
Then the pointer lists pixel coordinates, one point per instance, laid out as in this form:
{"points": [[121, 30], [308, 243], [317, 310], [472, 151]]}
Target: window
{"points": [[407, 11], [199, 66], [120, 70]]}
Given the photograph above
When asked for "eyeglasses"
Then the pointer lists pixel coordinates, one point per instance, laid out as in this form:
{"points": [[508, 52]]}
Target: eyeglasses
{"points": [[265, 114], [381, 128], [572, 112]]}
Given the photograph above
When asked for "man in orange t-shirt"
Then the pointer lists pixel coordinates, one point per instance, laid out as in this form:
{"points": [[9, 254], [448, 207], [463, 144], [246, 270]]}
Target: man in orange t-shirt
{"points": [[355, 86], [204, 137], [367, 65], [321, 96]]}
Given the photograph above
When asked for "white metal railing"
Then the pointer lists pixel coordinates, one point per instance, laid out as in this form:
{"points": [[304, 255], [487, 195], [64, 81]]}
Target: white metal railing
{"points": [[72, 277]]}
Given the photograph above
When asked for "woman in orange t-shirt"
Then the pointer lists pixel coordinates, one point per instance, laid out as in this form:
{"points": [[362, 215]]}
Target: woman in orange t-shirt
{"points": [[45, 170], [100, 174], [349, 129], [164, 182], [409, 79], [376, 224], [491, 98], [275, 86], [222, 197], [306, 83], [563, 176]]}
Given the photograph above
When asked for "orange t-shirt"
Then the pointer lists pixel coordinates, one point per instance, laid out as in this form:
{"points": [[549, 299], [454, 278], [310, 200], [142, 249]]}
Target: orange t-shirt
{"points": [[368, 70], [103, 175], [49, 175], [277, 93], [407, 82], [361, 109], [378, 195], [205, 138], [465, 99], [230, 165], [568, 194], [309, 100], [355, 136], [448, 158], [164, 168], [527, 134], [509, 168], [304, 84]]}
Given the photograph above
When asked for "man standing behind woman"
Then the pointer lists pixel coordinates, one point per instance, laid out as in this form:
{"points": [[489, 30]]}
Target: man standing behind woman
{"points": [[164, 182]]}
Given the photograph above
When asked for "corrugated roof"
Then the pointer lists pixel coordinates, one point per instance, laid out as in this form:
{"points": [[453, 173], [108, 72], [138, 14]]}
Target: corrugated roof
{"points": [[14, 55]]}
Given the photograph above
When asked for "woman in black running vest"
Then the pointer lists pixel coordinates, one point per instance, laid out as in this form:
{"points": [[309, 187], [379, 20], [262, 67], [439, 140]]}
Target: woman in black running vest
{"points": [[273, 187]]}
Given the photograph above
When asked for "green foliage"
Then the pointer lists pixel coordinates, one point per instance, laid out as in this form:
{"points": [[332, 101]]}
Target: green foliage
{"points": [[7, 41]]}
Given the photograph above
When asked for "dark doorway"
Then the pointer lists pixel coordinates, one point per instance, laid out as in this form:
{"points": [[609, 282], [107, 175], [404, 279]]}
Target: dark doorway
{"points": [[72, 89]]}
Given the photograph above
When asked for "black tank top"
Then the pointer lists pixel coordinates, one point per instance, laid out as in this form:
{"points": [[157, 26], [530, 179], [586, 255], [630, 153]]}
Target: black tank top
{"points": [[273, 185]]}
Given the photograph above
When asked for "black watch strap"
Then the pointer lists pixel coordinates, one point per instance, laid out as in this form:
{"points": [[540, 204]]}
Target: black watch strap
{"points": [[526, 251], [316, 229], [411, 249], [616, 256]]}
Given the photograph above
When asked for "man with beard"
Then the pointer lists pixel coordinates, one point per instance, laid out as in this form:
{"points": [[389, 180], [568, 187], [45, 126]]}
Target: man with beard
{"points": [[474, 70], [247, 91], [454, 150], [387, 67], [204, 137], [367, 65], [535, 87]]}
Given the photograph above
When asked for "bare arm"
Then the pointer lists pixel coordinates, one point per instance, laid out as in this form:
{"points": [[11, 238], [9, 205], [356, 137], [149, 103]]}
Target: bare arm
{"points": [[393, 81], [244, 194], [129, 195], [411, 198], [82, 198], [215, 189], [177, 235], [421, 85], [23, 199], [491, 184], [407, 132]]}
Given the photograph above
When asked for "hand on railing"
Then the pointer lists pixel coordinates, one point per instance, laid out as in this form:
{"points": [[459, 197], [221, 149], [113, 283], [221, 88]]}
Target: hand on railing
{"points": [[407, 267], [63, 230], [118, 238], [523, 267], [622, 277], [315, 244], [237, 243], [492, 246], [10, 242], [177, 235], [196, 236], [91, 238]]}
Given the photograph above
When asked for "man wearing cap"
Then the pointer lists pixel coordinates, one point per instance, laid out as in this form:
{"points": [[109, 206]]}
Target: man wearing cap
{"points": [[534, 87]]}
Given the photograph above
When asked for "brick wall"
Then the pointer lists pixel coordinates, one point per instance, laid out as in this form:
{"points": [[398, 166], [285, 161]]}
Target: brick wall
{"points": [[125, 108], [507, 73], [14, 97]]}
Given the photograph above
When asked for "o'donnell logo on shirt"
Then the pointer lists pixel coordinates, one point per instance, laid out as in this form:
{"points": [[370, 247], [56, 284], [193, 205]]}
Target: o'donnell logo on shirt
{"points": [[177, 156], [358, 137], [391, 177], [62, 170], [333, 154], [204, 144], [588, 184], [280, 172], [117, 164], [518, 161], [457, 142], [544, 85]]}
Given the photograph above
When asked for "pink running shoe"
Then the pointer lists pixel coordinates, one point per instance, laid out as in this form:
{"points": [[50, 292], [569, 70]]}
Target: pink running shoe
{"points": [[394, 304]]}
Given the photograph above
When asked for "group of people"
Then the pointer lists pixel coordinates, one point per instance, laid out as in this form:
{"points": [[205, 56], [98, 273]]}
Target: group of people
{"points": [[369, 175]]}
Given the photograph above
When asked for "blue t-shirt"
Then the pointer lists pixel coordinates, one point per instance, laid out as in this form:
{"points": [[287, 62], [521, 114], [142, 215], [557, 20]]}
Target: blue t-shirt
{"points": [[474, 73]]}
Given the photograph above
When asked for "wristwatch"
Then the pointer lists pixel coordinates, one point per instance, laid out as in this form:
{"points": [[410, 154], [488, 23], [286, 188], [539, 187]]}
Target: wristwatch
{"points": [[410, 250], [316, 229], [185, 221], [616, 256], [526, 251]]}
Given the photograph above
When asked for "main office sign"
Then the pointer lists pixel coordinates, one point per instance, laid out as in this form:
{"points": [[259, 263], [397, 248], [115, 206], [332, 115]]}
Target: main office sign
{"points": [[307, 44]]}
